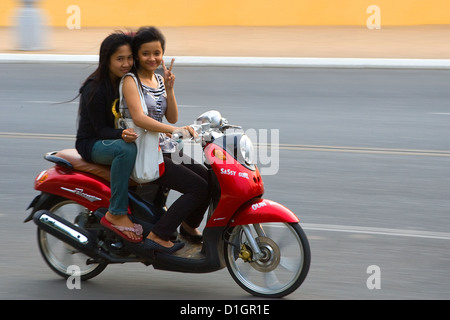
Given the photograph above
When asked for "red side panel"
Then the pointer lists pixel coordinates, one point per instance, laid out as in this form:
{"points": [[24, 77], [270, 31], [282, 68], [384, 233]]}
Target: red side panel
{"points": [[162, 168], [84, 188], [237, 185]]}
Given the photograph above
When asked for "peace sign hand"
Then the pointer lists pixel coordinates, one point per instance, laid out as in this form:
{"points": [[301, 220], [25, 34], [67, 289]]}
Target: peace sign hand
{"points": [[169, 77]]}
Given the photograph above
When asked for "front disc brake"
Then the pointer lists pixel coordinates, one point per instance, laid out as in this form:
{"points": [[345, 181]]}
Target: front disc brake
{"points": [[271, 255]]}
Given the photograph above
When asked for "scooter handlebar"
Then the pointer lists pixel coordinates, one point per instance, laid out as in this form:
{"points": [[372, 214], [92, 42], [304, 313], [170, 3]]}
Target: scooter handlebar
{"points": [[181, 133]]}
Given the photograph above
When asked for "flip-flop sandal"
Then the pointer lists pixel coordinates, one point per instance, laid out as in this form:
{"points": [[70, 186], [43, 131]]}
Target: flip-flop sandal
{"points": [[137, 229]]}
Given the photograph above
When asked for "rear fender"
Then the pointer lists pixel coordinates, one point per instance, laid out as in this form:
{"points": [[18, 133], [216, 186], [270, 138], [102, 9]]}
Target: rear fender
{"points": [[37, 203], [86, 189], [261, 211]]}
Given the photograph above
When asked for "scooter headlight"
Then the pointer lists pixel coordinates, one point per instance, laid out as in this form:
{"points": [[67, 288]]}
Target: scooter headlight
{"points": [[246, 148]]}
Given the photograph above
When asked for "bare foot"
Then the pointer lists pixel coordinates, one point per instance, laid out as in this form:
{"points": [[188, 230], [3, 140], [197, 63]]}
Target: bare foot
{"points": [[123, 221]]}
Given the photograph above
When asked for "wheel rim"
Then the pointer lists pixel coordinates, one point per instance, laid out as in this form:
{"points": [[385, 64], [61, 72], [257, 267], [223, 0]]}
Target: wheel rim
{"points": [[59, 254], [281, 265]]}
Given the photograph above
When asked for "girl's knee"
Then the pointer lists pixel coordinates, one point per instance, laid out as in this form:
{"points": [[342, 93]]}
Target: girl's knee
{"points": [[128, 150]]}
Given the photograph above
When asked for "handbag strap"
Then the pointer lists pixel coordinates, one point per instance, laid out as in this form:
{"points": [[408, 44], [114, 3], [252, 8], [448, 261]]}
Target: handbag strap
{"points": [[141, 94]]}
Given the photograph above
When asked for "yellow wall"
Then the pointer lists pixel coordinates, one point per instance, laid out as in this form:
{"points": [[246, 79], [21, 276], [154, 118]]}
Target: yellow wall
{"points": [[163, 13]]}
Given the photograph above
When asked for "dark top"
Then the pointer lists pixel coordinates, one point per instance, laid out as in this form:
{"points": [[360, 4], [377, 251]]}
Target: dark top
{"points": [[96, 120]]}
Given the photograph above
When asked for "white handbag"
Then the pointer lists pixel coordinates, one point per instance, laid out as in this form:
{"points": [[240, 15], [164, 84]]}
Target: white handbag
{"points": [[149, 164]]}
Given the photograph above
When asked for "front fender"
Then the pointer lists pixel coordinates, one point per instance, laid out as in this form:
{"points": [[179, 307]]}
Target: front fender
{"points": [[262, 210]]}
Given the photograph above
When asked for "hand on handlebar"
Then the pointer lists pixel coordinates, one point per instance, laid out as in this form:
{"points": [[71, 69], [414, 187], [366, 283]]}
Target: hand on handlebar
{"points": [[184, 132]]}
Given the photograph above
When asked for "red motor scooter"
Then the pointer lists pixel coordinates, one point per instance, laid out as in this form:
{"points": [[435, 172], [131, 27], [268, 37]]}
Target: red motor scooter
{"points": [[258, 240]]}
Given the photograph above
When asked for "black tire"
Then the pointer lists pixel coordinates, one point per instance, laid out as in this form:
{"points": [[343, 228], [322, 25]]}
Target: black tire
{"points": [[59, 255], [285, 264]]}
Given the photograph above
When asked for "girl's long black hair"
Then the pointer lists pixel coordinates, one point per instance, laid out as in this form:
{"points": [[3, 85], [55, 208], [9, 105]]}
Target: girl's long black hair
{"points": [[101, 76]]}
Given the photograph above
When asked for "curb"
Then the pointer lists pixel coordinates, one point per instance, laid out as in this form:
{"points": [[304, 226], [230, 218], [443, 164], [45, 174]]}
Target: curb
{"points": [[260, 62]]}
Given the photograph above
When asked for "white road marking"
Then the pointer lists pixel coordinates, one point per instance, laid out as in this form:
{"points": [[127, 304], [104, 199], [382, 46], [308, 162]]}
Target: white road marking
{"points": [[375, 231], [379, 231], [24, 135], [258, 62], [295, 147], [52, 102], [415, 152], [308, 226]]}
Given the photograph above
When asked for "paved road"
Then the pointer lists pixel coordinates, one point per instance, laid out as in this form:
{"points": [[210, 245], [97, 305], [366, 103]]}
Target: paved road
{"points": [[363, 161]]}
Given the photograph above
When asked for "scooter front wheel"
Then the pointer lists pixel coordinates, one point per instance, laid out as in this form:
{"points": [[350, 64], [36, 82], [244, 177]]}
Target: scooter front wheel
{"points": [[280, 266]]}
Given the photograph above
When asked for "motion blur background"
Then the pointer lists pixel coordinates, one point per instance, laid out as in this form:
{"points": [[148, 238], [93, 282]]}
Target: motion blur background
{"points": [[176, 13], [364, 153], [294, 28]]}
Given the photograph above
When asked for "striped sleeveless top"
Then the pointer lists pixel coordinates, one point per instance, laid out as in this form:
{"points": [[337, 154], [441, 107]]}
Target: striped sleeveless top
{"points": [[156, 101]]}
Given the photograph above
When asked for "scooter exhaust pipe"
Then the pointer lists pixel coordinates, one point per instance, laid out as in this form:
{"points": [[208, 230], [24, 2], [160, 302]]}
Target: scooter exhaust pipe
{"points": [[74, 236], [64, 231]]}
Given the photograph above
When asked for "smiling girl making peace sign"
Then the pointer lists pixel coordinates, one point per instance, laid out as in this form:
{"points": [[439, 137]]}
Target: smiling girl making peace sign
{"points": [[188, 178]]}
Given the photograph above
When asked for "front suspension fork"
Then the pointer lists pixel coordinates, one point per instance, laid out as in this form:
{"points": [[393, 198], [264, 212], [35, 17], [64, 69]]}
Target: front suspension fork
{"points": [[257, 254]]}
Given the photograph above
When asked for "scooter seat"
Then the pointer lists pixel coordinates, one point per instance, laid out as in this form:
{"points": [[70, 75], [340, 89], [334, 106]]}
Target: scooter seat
{"points": [[78, 163]]}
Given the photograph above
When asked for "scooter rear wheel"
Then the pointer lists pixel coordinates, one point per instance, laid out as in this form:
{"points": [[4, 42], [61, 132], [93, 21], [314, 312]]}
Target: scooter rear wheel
{"points": [[282, 266], [62, 258]]}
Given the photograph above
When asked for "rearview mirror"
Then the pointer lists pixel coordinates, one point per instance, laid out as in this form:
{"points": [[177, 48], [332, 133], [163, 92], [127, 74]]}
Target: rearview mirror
{"points": [[212, 117]]}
